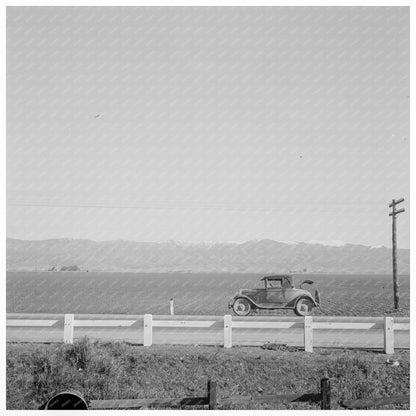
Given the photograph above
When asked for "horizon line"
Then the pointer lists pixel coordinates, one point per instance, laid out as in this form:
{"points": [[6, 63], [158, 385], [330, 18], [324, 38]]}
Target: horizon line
{"points": [[329, 243]]}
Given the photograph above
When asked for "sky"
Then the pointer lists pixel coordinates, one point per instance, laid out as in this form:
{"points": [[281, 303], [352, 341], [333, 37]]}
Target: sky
{"points": [[207, 123]]}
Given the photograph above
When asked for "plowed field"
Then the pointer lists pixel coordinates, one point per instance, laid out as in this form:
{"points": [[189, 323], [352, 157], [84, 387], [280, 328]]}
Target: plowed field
{"points": [[197, 294]]}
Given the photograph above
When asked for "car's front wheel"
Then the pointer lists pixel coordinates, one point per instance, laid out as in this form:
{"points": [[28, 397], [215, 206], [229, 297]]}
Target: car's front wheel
{"points": [[242, 307], [304, 307]]}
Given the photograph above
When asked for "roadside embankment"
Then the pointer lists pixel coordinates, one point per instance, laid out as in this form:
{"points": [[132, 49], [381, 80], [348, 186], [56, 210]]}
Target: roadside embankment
{"points": [[118, 371]]}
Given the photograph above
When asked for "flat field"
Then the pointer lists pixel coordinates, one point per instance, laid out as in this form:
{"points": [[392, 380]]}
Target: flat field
{"points": [[194, 294]]}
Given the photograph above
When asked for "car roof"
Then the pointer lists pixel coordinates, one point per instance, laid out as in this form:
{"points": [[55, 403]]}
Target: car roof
{"points": [[277, 277]]}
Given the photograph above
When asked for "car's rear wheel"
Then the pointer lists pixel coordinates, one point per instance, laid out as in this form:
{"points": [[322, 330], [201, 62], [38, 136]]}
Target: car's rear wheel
{"points": [[304, 307], [241, 307]]}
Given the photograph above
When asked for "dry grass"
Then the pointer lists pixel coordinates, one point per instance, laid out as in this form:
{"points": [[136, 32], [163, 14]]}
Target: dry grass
{"points": [[119, 370]]}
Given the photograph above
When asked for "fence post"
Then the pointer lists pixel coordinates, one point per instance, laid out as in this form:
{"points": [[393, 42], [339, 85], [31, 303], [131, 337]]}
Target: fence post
{"points": [[147, 330], [212, 395], [172, 309], [325, 394], [308, 334], [69, 328], [228, 331], [388, 335]]}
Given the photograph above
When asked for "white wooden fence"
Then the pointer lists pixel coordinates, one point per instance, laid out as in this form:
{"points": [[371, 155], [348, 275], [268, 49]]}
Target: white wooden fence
{"points": [[211, 326]]}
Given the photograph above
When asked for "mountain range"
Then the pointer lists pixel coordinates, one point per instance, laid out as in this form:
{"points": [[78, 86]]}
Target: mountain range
{"points": [[256, 256]]}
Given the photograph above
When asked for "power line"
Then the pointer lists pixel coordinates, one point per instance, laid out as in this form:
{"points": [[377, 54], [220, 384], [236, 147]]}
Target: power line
{"points": [[166, 206]]}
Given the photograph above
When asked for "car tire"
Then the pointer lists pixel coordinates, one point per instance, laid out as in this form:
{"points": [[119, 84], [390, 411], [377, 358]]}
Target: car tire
{"points": [[242, 307], [304, 307]]}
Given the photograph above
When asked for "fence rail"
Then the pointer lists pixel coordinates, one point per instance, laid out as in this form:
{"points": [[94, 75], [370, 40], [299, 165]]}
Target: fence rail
{"points": [[73, 400], [308, 332], [209, 400], [377, 402]]}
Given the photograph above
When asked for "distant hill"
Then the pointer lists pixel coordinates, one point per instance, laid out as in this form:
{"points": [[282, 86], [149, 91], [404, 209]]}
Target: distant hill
{"points": [[263, 256]]}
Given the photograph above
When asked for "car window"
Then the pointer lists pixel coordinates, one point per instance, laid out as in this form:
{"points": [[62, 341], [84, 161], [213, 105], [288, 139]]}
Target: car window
{"points": [[274, 283]]}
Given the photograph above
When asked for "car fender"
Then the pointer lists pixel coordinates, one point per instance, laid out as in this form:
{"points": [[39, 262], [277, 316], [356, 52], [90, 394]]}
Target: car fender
{"points": [[245, 297], [306, 282], [293, 302]]}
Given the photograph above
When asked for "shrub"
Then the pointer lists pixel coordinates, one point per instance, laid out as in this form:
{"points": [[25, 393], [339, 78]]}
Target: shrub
{"points": [[79, 354]]}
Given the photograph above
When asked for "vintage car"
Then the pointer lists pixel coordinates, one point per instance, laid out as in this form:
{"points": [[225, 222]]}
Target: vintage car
{"points": [[278, 292]]}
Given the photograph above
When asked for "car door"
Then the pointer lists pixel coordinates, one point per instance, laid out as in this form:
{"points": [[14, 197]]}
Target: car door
{"points": [[275, 292], [288, 292]]}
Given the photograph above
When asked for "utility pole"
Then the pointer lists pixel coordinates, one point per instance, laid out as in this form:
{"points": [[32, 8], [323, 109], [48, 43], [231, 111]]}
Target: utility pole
{"points": [[394, 214]]}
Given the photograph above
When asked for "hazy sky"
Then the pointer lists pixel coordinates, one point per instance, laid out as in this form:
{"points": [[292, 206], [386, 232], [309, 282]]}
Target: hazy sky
{"points": [[207, 124]]}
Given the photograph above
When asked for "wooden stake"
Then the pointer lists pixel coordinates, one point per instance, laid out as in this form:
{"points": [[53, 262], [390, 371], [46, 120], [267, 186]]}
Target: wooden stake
{"points": [[212, 395], [326, 394]]}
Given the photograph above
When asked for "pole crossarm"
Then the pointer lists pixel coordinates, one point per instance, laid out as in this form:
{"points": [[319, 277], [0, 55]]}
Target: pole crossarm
{"points": [[397, 212], [395, 202], [393, 205]]}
